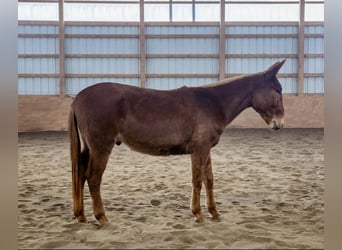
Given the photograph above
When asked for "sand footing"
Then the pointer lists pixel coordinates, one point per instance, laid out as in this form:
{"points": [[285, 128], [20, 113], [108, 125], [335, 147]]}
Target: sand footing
{"points": [[268, 186]]}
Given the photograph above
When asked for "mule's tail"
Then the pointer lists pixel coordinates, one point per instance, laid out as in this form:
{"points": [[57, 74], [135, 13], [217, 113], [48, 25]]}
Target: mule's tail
{"points": [[77, 173]]}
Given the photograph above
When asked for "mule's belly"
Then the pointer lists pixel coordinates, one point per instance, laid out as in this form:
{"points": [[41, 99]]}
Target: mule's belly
{"points": [[158, 138], [161, 150]]}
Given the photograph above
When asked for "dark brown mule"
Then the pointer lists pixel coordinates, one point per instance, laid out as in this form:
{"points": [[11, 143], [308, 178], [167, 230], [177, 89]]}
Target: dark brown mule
{"points": [[180, 121]]}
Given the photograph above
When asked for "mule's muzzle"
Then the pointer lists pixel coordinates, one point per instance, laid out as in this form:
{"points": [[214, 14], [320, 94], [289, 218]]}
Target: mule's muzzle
{"points": [[277, 123]]}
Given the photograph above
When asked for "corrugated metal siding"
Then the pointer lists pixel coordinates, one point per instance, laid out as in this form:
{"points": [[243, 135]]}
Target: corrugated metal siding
{"points": [[182, 45], [313, 45], [264, 29], [314, 29], [37, 29], [38, 86], [261, 45], [38, 45], [252, 65], [105, 46], [172, 29], [314, 85], [182, 66], [35, 65], [102, 29], [102, 65], [314, 64], [76, 46], [101, 46], [38, 66]]}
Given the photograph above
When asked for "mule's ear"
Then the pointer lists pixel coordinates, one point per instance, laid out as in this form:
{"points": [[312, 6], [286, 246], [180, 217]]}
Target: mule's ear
{"points": [[273, 70]]}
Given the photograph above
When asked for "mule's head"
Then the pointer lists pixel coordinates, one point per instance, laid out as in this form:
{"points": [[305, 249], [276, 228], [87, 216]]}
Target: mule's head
{"points": [[267, 98]]}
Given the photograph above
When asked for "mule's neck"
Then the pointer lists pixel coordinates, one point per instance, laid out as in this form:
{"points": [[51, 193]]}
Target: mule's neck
{"points": [[236, 95]]}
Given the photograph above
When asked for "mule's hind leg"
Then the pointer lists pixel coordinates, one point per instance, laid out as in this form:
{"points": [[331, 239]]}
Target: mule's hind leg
{"points": [[96, 167], [209, 183], [78, 201]]}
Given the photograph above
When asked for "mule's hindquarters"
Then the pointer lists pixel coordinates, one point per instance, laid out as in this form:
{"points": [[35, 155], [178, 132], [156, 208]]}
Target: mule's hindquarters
{"points": [[79, 163], [88, 164]]}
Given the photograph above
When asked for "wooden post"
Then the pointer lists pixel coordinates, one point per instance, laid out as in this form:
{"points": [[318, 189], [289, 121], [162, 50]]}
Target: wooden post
{"points": [[222, 58], [61, 48], [142, 47], [301, 48]]}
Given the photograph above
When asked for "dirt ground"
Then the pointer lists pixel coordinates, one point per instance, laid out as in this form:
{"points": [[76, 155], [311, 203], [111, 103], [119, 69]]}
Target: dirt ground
{"points": [[268, 186]]}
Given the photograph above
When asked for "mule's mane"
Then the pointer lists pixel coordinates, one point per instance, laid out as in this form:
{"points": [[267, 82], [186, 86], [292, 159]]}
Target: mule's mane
{"points": [[226, 81]]}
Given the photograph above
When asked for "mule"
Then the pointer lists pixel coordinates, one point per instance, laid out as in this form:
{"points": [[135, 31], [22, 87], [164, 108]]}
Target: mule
{"points": [[187, 120]]}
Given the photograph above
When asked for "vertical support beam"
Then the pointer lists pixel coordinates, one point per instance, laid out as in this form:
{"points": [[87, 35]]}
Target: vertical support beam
{"points": [[170, 10], [142, 46], [222, 47], [301, 48], [193, 10], [61, 48]]}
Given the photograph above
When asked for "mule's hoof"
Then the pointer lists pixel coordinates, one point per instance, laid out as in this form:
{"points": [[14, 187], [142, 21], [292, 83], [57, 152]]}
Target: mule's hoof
{"points": [[199, 218], [81, 218], [103, 220], [216, 218]]}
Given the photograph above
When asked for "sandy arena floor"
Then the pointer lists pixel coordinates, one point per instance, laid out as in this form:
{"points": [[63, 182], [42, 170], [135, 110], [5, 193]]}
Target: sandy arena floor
{"points": [[268, 186]]}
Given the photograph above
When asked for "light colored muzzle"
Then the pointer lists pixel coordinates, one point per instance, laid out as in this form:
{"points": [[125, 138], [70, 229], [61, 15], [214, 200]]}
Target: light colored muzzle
{"points": [[277, 123]]}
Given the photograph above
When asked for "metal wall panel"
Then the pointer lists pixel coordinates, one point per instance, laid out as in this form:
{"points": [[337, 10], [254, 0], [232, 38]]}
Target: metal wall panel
{"points": [[314, 85], [261, 29], [314, 29], [253, 65], [37, 29], [34, 65], [176, 30], [38, 45], [314, 64], [102, 66], [314, 47], [194, 46], [97, 65], [38, 66], [38, 86], [182, 46], [261, 45], [101, 46], [182, 66], [99, 29]]}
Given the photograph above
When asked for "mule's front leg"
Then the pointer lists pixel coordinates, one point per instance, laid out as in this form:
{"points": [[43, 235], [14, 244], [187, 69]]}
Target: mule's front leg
{"points": [[196, 194], [197, 167], [209, 184]]}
